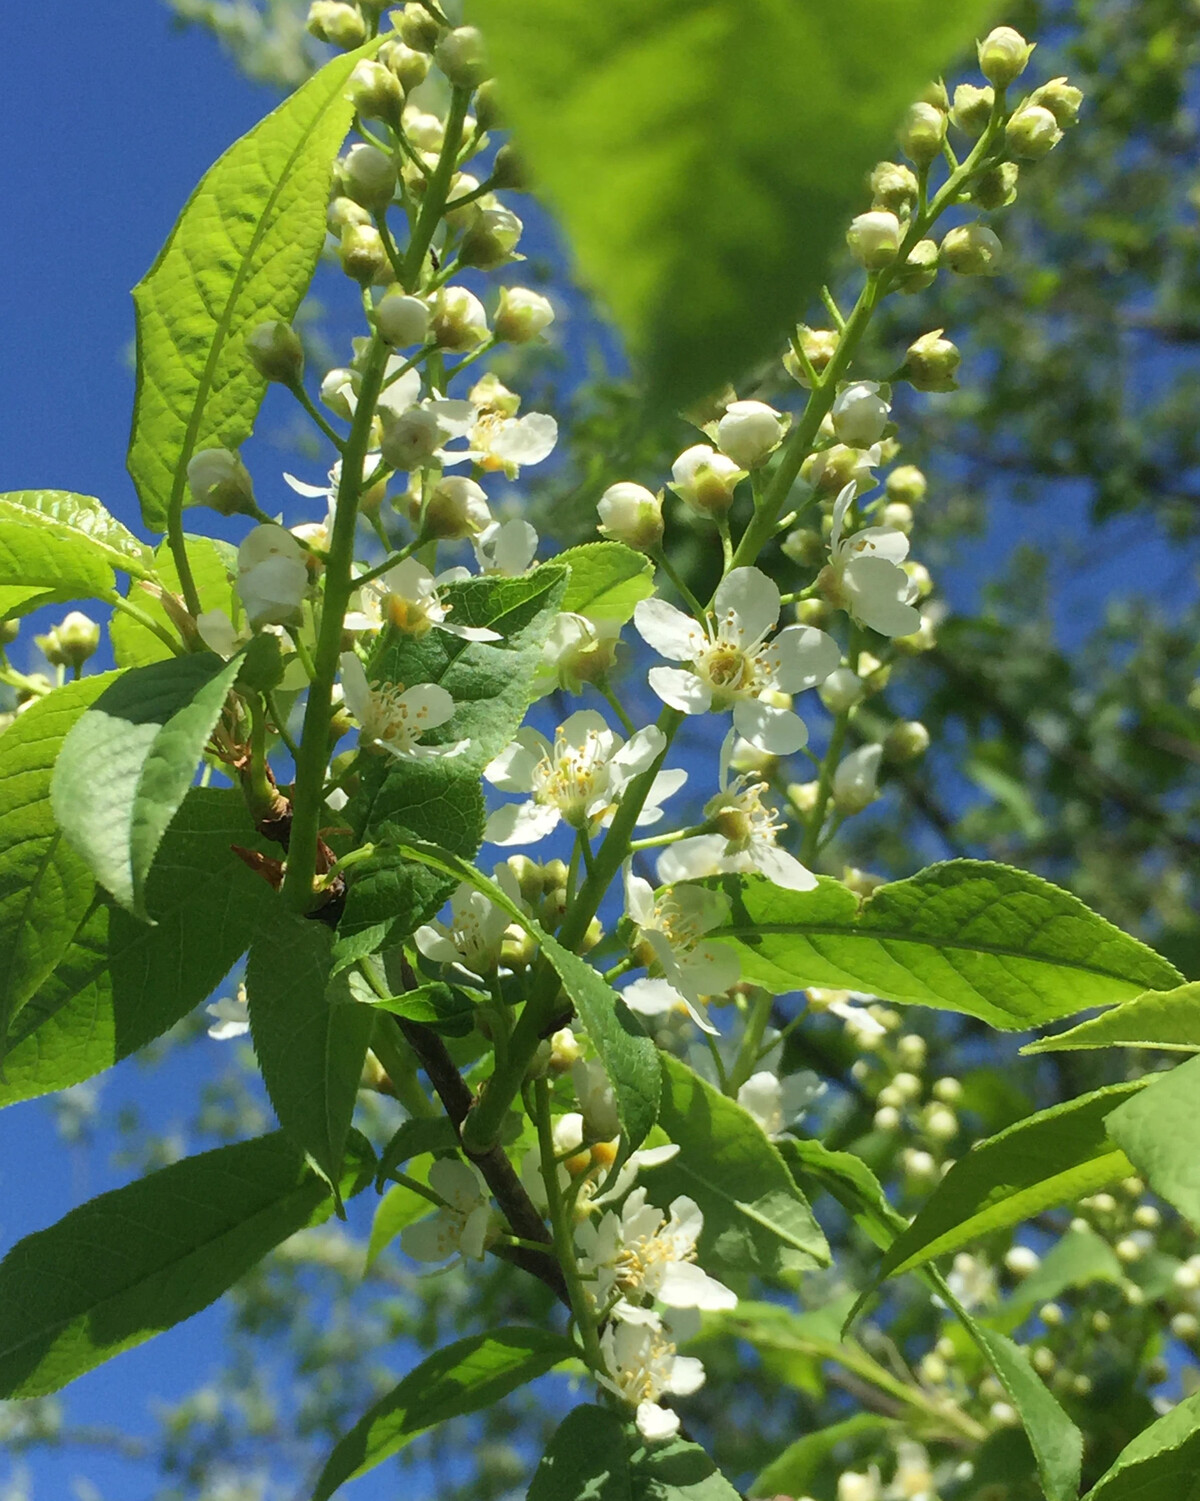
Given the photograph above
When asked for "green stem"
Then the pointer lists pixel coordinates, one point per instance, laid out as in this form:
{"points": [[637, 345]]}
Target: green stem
{"points": [[317, 416], [686, 594], [387, 1043], [127, 607], [178, 545], [389, 562], [436, 191], [751, 1047], [829, 765], [339, 585], [603, 687], [263, 796]]}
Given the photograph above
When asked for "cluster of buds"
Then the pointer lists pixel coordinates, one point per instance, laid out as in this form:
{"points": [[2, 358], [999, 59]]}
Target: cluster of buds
{"points": [[70, 643]]}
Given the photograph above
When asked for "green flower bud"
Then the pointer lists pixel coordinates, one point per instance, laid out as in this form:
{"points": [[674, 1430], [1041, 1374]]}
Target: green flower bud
{"points": [[1061, 98], [898, 516], [375, 91], [971, 250], [275, 351], [509, 170], [1003, 56], [522, 315], [931, 362], [491, 240], [409, 67], [343, 212], [874, 239], [907, 484], [972, 108], [459, 322], [417, 27], [362, 254], [935, 93], [805, 547], [488, 112], [338, 24], [459, 54], [1032, 133], [812, 611], [907, 740], [368, 176], [10, 629], [457, 509], [819, 345], [72, 641], [894, 188], [920, 269], [218, 478], [923, 133], [402, 320], [996, 188], [841, 690]]}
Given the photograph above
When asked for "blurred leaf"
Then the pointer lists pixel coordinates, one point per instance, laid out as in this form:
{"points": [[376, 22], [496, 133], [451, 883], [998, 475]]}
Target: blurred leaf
{"points": [[797, 1467], [1160, 1133], [1078, 1258], [1160, 1019]]}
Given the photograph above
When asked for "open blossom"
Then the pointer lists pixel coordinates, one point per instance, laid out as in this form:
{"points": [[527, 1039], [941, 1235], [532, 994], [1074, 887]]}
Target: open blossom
{"points": [[877, 591], [850, 1006], [643, 1365], [576, 651], [507, 548], [393, 717], [272, 576], [578, 779], [475, 932], [461, 1226], [231, 1016], [408, 596], [777, 1103], [672, 926], [731, 662]]}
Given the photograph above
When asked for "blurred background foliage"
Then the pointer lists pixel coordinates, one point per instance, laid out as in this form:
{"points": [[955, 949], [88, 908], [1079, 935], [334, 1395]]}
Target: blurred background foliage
{"points": [[1061, 697]]}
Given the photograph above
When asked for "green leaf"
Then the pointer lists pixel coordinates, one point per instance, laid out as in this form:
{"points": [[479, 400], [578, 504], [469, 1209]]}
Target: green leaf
{"points": [[638, 118], [39, 568], [755, 1217], [213, 565], [131, 1263], [122, 982], [965, 935], [1053, 1157], [243, 251], [849, 1180], [607, 580], [1167, 1019], [448, 1009], [127, 764], [1159, 1131], [801, 1462], [45, 887], [78, 519], [310, 1043], [1162, 1462], [595, 1455], [465, 1376]]}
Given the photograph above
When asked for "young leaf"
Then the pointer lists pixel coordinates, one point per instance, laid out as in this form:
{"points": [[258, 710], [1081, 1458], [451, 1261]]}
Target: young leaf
{"points": [[45, 887], [242, 252], [448, 1009], [123, 982], [1168, 1019], [755, 1217], [1161, 1462], [73, 519], [465, 1376], [127, 764], [965, 935], [795, 1470], [607, 580], [638, 118], [131, 1263], [1053, 1157], [213, 564], [1160, 1133], [39, 568], [310, 1044]]}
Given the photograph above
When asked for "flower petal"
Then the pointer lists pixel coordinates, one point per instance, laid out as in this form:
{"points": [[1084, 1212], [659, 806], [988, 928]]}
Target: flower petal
{"points": [[691, 859], [804, 657], [521, 823], [781, 868], [779, 732], [669, 631], [512, 770], [753, 600], [680, 689]]}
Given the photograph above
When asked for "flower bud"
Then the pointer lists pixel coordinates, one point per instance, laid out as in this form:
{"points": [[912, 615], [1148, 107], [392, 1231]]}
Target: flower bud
{"points": [[10, 629], [522, 315], [459, 54], [337, 391], [375, 91], [457, 509], [410, 440], [1003, 55], [750, 432], [1061, 98], [874, 239], [971, 250], [887, 1119], [402, 320], [907, 740], [487, 106], [923, 133], [509, 171], [1185, 1326], [340, 25], [1021, 1260], [855, 781], [705, 479], [362, 254], [919, 269], [819, 346], [841, 690], [579, 650], [218, 478], [1032, 133], [491, 240], [73, 640], [459, 322], [859, 414], [832, 469], [368, 175], [344, 211], [996, 188], [898, 516], [941, 1123], [631, 514], [894, 188], [931, 362], [907, 485], [972, 108], [417, 27], [275, 351], [804, 546], [408, 66]]}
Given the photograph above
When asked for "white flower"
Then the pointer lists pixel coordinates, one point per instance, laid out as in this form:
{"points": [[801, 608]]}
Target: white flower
{"points": [[859, 414], [597, 1101], [522, 315], [913, 1480], [231, 1016], [408, 595], [746, 838], [475, 932], [456, 510], [849, 1006], [272, 576], [631, 514], [672, 925], [393, 717], [462, 1225], [706, 479], [731, 663], [972, 1281], [579, 779], [643, 1366], [218, 633], [640, 1253], [576, 651], [854, 1485], [506, 548], [568, 1138], [854, 782], [750, 431], [877, 591], [777, 1103]]}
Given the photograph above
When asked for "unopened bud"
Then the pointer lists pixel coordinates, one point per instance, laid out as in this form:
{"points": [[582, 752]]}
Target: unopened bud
{"points": [[362, 254], [935, 93], [749, 432], [509, 172], [459, 54], [898, 516], [819, 346], [841, 690], [972, 108], [368, 175], [337, 389], [907, 485], [487, 106], [10, 629], [705, 479], [894, 188], [275, 351], [972, 250], [874, 239], [459, 322], [343, 211], [518, 949], [1003, 56], [907, 740], [919, 269], [1185, 1326], [491, 240], [923, 133], [218, 478], [859, 414], [72, 641], [564, 1050], [340, 25], [1032, 133], [804, 546], [408, 66], [401, 320], [941, 1123], [996, 188], [1061, 98], [931, 362], [631, 514], [1022, 1260], [812, 612], [417, 27], [375, 91], [522, 315], [457, 509], [597, 1101], [410, 440], [855, 783]]}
